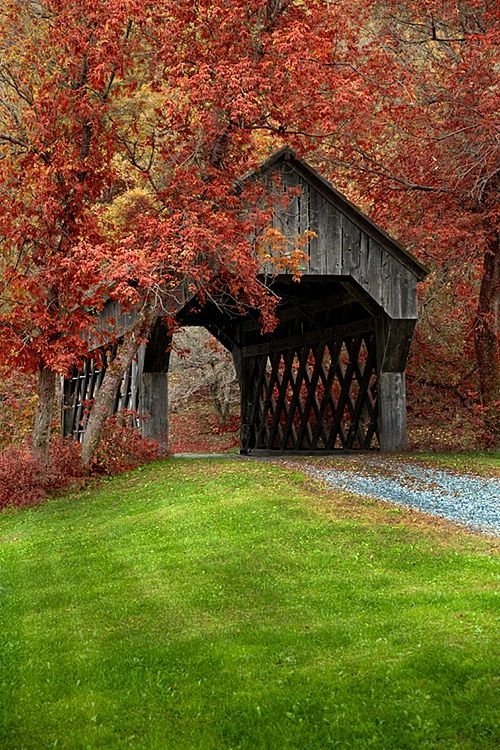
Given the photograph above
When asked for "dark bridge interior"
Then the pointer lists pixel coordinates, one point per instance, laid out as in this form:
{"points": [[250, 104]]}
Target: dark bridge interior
{"points": [[312, 383]]}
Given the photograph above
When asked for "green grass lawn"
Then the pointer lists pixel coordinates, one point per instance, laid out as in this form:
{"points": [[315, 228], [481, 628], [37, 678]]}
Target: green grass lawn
{"points": [[217, 604]]}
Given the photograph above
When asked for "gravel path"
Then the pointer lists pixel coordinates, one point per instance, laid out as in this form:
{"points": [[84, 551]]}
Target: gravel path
{"points": [[467, 499]]}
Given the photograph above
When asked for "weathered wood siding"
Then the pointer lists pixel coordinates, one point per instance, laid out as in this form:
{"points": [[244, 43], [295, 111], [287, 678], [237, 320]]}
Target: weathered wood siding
{"points": [[392, 411], [114, 322], [153, 406], [342, 248]]}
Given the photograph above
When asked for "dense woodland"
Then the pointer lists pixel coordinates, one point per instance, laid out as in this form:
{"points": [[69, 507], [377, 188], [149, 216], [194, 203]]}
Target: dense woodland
{"points": [[124, 125]]}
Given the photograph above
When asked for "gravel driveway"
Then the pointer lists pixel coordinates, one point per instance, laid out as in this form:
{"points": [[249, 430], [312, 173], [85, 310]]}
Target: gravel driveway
{"points": [[465, 498]]}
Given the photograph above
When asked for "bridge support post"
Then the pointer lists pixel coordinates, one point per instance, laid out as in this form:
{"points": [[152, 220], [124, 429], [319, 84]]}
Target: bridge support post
{"points": [[154, 407], [392, 411], [244, 375], [393, 342]]}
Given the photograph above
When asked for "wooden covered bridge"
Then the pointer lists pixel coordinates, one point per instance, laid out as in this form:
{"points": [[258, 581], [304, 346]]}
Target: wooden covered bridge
{"points": [[331, 375]]}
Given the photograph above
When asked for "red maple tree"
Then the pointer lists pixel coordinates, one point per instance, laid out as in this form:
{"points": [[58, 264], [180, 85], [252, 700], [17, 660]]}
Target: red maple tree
{"points": [[125, 124], [124, 127], [422, 154]]}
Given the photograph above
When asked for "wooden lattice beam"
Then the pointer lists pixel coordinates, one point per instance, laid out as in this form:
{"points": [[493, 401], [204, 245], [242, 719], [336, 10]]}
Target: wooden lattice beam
{"points": [[320, 395]]}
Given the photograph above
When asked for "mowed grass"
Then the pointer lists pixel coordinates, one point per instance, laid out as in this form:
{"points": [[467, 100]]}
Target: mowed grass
{"points": [[217, 604]]}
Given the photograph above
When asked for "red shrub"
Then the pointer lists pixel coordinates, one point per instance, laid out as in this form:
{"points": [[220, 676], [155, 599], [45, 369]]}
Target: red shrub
{"points": [[65, 465], [24, 480], [20, 477], [122, 447]]}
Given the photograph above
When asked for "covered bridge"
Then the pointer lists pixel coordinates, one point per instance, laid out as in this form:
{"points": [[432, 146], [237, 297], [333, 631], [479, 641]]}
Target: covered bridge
{"points": [[331, 375]]}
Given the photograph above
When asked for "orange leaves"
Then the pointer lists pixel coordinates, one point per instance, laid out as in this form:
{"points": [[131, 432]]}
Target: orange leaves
{"points": [[282, 254]]}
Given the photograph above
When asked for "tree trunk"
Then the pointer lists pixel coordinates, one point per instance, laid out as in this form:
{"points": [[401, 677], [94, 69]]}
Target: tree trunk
{"points": [[44, 411], [487, 342], [104, 400]]}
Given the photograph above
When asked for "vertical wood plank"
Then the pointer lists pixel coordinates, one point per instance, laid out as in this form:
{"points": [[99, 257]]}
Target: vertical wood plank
{"points": [[304, 222], [291, 213], [364, 254], [154, 407], [332, 229], [351, 243], [408, 294], [315, 255], [392, 411], [385, 279], [242, 369], [395, 303], [375, 271]]}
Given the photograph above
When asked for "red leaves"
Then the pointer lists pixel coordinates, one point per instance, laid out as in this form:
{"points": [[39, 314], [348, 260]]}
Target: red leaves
{"points": [[127, 123], [25, 481], [162, 101], [122, 448]]}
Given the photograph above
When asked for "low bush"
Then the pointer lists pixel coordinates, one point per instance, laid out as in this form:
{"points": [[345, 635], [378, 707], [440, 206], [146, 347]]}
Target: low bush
{"points": [[122, 447], [20, 477], [25, 480]]}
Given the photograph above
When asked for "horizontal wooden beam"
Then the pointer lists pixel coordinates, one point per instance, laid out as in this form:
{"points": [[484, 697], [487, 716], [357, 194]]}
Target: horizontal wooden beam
{"points": [[313, 337]]}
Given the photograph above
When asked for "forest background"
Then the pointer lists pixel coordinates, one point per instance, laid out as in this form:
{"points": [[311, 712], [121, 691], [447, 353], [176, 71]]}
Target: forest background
{"points": [[124, 125]]}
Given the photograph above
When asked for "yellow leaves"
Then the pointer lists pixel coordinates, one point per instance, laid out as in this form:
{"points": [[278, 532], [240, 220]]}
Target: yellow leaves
{"points": [[144, 102], [272, 242], [124, 209], [263, 144]]}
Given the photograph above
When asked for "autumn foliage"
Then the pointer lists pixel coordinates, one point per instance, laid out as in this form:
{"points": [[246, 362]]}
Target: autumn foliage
{"points": [[422, 154], [25, 480], [126, 125]]}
